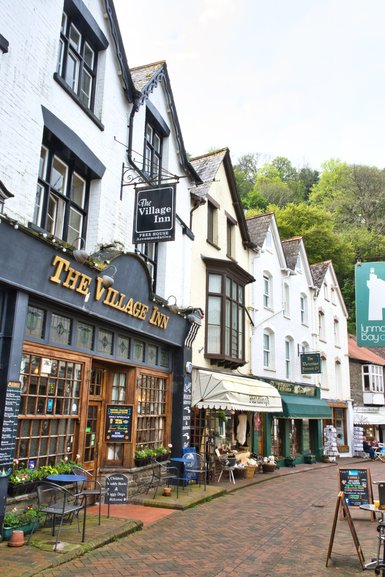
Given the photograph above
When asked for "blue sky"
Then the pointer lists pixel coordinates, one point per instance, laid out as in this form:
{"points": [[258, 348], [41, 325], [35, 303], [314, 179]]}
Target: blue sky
{"points": [[304, 79]]}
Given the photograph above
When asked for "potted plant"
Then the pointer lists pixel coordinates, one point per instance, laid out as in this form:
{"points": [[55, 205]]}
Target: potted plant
{"points": [[290, 461], [310, 459], [23, 520], [143, 456]]}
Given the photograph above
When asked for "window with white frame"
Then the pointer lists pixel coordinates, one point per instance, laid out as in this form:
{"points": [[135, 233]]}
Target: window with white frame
{"points": [[288, 357], [326, 292], [324, 377], [321, 325], [62, 194], [303, 309], [153, 141], [298, 264], [333, 295], [373, 378], [286, 299], [267, 291], [336, 330], [268, 349]]}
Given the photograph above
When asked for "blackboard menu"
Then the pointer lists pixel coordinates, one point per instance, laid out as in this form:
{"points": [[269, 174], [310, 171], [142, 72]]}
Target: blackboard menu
{"points": [[9, 431], [357, 486], [117, 488], [118, 423]]}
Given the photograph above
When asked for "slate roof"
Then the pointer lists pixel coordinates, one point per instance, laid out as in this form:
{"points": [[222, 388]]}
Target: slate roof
{"points": [[258, 227], [291, 248], [318, 272], [207, 167], [362, 353]]}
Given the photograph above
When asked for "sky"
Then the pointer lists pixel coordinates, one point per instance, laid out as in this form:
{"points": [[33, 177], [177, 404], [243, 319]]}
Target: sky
{"points": [[303, 79]]}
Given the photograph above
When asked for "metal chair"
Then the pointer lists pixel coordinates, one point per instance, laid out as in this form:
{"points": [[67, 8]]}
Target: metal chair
{"points": [[379, 453], [90, 487], [163, 473], [195, 466], [59, 504]]}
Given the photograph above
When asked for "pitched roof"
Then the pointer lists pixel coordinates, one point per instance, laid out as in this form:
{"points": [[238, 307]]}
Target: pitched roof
{"points": [[207, 166], [362, 353], [319, 271], [258, 227], [146, 78], [291, 248]]}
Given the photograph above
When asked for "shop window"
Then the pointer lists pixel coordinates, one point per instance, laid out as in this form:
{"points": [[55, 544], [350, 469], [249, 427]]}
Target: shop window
{"points": [[62, 194], [96, 383], [138, 352], [119, 388], [152, 354], [373, 378], [105, 342], [85, 336], [49, 409], [35, 322], [60, 329], [152, 397], [295, 434], [164, 358], [277, 434], [123, 347]]}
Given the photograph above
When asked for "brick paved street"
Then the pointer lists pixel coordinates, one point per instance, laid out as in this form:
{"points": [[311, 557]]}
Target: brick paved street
{"points": [[280, 527]]}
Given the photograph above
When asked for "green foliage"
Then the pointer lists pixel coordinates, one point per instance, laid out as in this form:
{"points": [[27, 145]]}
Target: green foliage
{"points": [[15, 518], [24, 475]]}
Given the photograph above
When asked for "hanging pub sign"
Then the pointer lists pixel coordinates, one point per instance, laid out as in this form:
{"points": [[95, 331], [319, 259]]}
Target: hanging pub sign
{"points": [[310, 363], [154, 218], [370, 304]]}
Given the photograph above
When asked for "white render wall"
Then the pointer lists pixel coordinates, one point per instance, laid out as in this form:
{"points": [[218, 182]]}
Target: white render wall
{"points": [[220, 192], [27, 84], [282, 326]]}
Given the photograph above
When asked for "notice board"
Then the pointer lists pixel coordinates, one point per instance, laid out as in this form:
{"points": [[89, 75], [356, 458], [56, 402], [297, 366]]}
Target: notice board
{"points": [[356, 485], [118, 423], [117, 489]]}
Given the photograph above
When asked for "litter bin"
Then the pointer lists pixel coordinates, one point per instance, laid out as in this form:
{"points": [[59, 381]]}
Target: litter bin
{"points": [[4, 475]]}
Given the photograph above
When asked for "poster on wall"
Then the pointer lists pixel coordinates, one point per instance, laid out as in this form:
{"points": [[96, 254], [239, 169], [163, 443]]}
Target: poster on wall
{"points": [[118, 423], [154, 217], [370, 303]]}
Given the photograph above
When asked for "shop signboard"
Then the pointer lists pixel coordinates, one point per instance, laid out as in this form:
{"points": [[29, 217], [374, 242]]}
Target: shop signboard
{"points": [[118, 423], [116, 489], [154, 219], [356, 485], [370, 304], [310, 363], [10, 422]]}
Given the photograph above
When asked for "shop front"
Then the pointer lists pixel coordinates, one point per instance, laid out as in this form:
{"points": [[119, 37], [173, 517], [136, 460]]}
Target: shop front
{"points": [[297, 432], [228, 412], [339, 420], [90, 370]]}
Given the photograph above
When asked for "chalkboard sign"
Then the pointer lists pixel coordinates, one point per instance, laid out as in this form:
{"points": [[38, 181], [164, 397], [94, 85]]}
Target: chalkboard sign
{"points": [[356, 485], [10, 423], [118, 423], [116, 489]]}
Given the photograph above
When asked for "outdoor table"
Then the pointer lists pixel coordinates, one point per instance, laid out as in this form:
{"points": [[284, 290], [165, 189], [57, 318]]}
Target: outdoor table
{"points": [[381, 535], [67, 478]]}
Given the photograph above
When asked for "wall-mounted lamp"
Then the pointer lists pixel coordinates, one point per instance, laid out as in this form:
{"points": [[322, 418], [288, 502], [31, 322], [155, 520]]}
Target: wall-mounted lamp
{"points": [[108, 280], [80, 254]]}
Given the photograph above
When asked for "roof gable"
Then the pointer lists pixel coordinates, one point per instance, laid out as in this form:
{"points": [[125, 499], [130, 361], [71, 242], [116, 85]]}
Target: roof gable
{"points": [[258, 227]]}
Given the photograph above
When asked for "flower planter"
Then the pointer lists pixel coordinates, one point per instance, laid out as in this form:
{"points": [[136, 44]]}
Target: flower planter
{"points": [[142, 462], [249, 471], [27, 529], [268, 467], [309, 459], [290, 461], [21, 488]]}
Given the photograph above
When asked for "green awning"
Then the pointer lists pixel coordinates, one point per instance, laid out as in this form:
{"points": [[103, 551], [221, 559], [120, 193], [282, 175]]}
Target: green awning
{"points": [[298, 407]]}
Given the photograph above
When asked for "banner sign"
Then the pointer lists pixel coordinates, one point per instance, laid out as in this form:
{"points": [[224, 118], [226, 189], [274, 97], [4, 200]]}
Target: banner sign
{"points": [[310, 363], [370, 304], [154, 218]]}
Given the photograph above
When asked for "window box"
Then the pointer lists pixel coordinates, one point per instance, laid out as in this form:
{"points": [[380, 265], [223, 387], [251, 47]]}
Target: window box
{"points": [[27, 529], [21, 488], [309, 459]]}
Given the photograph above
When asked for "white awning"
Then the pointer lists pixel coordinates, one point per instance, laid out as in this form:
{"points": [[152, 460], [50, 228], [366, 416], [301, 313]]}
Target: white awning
{"points": [[227, 391], [369, 415]]}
